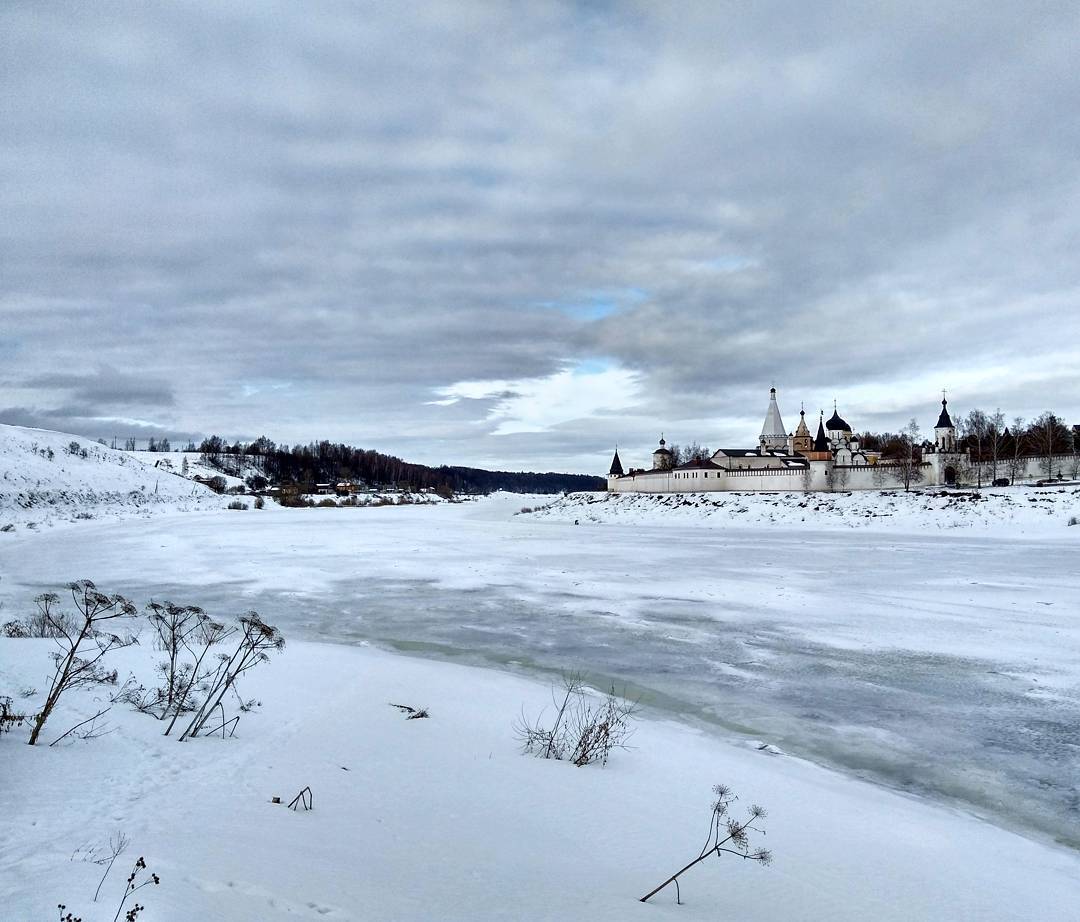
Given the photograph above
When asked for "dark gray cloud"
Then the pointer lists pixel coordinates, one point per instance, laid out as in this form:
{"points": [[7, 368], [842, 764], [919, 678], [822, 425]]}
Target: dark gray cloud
{"points": [[106, 387], [588, 222]]}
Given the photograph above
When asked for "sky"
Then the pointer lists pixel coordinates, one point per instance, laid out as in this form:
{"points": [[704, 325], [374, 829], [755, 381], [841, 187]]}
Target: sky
{"points": [[513, 235]]}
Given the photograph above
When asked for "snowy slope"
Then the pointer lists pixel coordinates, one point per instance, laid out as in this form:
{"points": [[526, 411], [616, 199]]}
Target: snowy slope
{"points": [[49, 477], [234, 469], [444, 818], [1018, 510]]}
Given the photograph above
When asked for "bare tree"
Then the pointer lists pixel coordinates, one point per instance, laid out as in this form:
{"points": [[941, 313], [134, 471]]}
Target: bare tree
{"points": [[974, 427], [1015, 462], [726, 834], [82, 644], [1050, 437], [905, 466], [995, 434]]}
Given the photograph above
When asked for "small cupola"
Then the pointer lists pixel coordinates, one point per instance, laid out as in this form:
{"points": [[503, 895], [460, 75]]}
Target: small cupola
{"points": [[661, 458]]}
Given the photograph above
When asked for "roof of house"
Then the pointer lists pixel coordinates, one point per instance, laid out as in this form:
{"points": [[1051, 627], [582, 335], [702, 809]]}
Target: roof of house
{"points": [[697, 464]]}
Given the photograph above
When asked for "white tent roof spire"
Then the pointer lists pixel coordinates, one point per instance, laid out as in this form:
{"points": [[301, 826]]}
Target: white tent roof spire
{"points": [[774, 425]]}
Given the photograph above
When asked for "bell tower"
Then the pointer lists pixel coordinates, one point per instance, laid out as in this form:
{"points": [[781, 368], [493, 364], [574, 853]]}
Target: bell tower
{"points": [[802, 442], [944, 430]]}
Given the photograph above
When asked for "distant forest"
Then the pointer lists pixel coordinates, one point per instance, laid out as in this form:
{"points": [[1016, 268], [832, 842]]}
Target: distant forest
{"points": [[328, 462]]}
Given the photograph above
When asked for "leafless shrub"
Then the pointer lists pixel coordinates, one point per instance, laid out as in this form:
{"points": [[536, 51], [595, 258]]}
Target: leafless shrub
{"points": [[117, 845], [257, 641], [236, 504], [133, 886], [103, 855], [726, 834], [136, 881], [585, 730], [9, 719], [259, 502], [176, 629], [82, 642], [48, 621], [206, 634]]}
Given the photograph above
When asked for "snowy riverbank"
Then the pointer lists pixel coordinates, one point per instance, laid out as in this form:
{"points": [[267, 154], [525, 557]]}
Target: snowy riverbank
{"points": [[444, 818], [1018, 510]]}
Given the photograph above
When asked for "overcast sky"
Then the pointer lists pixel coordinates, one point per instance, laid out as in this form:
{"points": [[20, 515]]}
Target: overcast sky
{"points": [[511, 235]]}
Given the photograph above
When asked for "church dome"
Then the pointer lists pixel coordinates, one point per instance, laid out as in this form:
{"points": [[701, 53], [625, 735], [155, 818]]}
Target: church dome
{"points": [[944, 421], [837, 423]]}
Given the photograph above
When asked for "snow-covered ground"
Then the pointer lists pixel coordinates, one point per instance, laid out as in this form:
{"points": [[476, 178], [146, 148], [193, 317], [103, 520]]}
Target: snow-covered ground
{"points": [[48, 478], [444, 818], [939, 662], [1015, 510]]}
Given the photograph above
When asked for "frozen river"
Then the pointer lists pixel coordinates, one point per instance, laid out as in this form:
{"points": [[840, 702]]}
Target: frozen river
{"points": [[946, 665]]}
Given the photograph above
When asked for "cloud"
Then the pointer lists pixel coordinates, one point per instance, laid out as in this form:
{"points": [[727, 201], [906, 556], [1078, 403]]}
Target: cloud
{"points": [[105, 386], [541, 404], [323, 223]]}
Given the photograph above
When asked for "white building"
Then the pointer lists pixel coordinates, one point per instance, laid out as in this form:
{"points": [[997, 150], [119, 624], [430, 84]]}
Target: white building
{"points": [[834, 459]]}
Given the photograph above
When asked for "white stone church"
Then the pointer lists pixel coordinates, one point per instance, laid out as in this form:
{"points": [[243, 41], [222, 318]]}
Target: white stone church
{"points": [[832, 459]]}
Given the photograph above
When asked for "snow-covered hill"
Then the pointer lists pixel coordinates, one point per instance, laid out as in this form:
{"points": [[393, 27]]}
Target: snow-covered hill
{"points": [[48, 477], [233, 469], [1019, 509]]}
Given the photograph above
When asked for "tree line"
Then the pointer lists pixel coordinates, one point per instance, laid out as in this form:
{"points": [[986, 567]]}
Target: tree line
{"points": [[331, 462]]}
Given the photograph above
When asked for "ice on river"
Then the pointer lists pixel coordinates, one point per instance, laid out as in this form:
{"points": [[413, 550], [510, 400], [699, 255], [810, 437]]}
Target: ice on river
{"points": [[946, 664]]}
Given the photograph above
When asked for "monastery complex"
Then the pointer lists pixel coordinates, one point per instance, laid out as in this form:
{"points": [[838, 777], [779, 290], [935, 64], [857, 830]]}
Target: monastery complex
{"points": [[832, 459]]}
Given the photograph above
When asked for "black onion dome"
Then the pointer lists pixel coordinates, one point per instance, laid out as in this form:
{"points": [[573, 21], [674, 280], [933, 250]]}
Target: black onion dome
{"points": [[837, 423]]}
